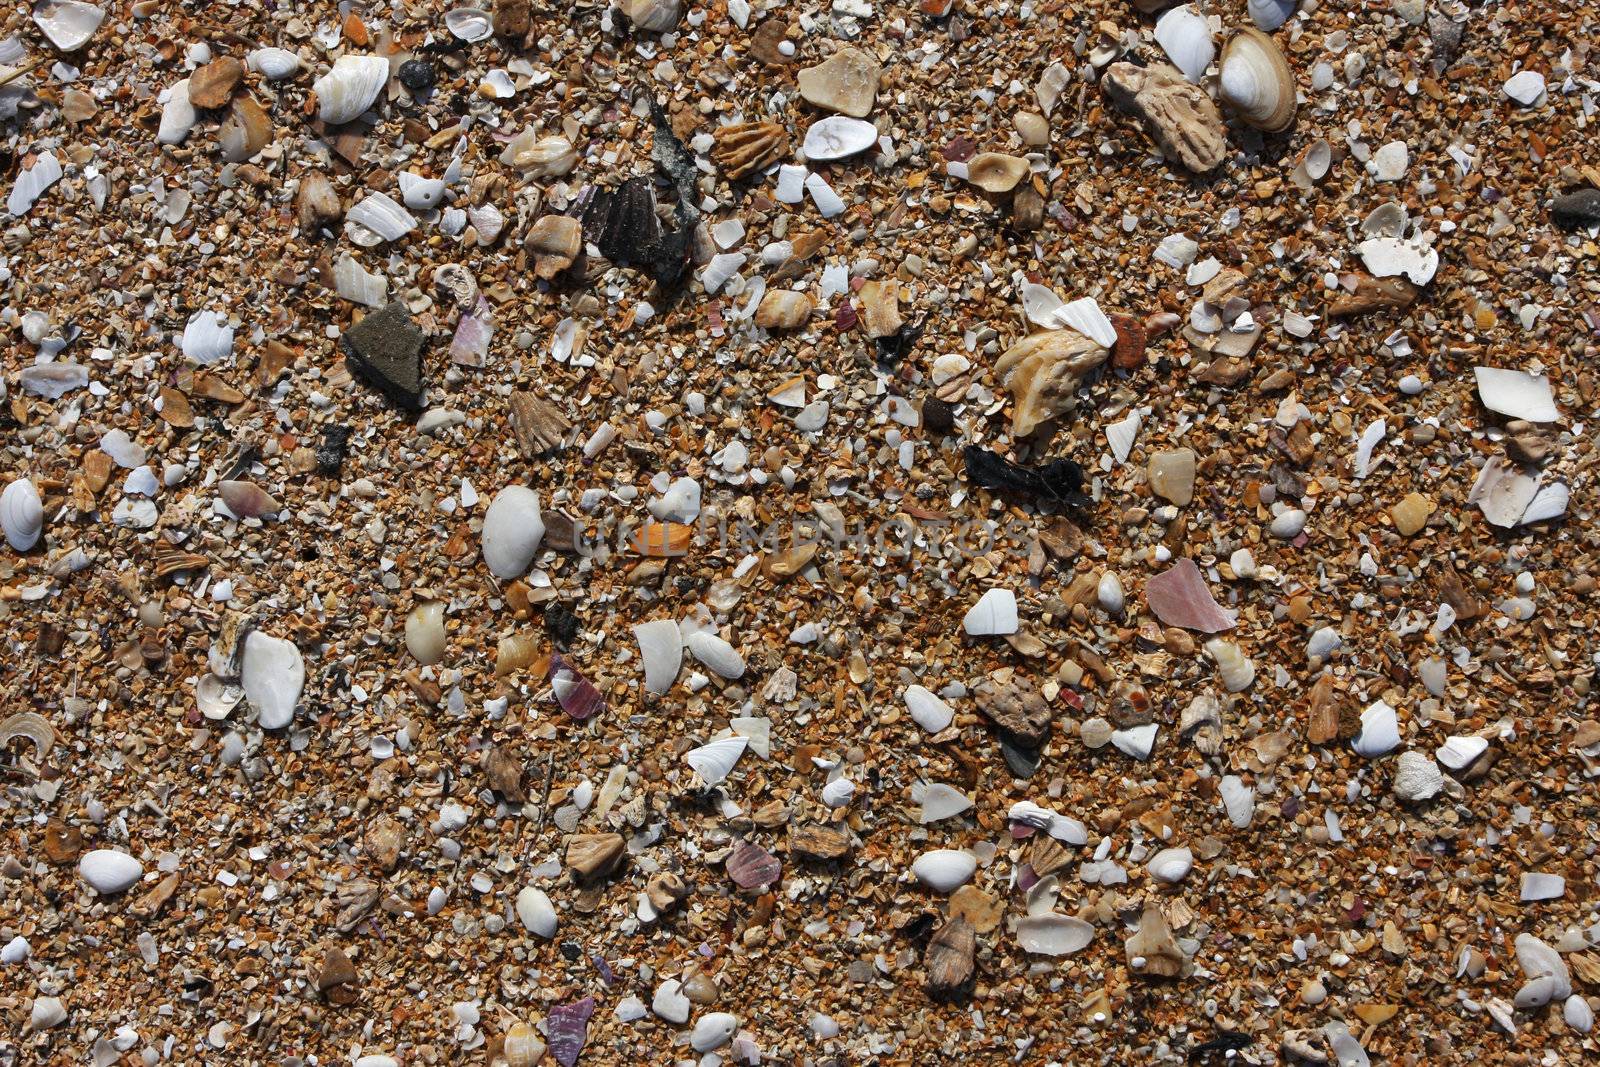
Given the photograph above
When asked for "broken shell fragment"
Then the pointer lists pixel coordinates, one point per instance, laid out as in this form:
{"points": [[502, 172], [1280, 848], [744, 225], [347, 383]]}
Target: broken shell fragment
{"points": [[996, 172], [1043, 372], [67, 23], [995, 614], [469, 24], [747, 148], [273, 676], [713, 762], [350, 88], [1256, 81], [1185, 36], [1233, 666], [1268, 15], [837, 137], [1053, 935], [661, 649]]}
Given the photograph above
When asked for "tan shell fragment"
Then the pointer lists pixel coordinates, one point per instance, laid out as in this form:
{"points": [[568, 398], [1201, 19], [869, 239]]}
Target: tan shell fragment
{"points": [[1256, 81], [880, 308], [748, 147], [783, 309], [1152, 950], [847, 82], [554, 241], [593, 856], [1176, 113], [1043, 372], [996, 172]]}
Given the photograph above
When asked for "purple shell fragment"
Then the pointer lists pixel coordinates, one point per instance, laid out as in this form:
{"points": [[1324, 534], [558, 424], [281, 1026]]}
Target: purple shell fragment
{"points": [[753, 867], [576, 694], [470, 345], [1180, 597], [568, 1028]]}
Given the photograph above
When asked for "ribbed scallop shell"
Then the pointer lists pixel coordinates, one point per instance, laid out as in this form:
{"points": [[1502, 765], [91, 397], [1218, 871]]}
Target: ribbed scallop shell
{"points": [[350, 88], [21, 514], [1256, 81]]}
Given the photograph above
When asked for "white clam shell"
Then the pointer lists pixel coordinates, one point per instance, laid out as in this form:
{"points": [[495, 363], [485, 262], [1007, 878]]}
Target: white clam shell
{"points": [[1516, 394], [273, 64], [837, 136], [995, 613], [207, 338], [1461, 751], [1053, 935], [1255, 80], [357, 284], [714, 1030], [68, 23], [661, 648], [419, 193], [1268, 15], [927, 710], [21, 514], [1386, 257], [1536, 885], [32, 183], [425, 636], [1171, 865], [1084, 316], [109, 870], [469, 24], [1577, 1013], [376, 219], [670, 1002], [718, 656], [940, 801], [1238, 800], [838, 793], [350, 87], [1109, 593], [273, 675], [944, 870], [538, 915], [1185, 36], [715, 761], [216, 698], [1380, 731], [512, 530], [178, 115]]}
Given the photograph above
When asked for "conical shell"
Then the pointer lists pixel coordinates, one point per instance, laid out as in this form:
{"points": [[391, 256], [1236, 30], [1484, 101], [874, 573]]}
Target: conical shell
{"points": [[21, 514], [523, 1047], [1256, 81], [350, 88]]}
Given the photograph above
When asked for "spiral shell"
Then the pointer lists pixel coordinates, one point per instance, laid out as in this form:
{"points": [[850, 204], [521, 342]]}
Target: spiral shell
{"points": [[1256, 81], [21, 514]]}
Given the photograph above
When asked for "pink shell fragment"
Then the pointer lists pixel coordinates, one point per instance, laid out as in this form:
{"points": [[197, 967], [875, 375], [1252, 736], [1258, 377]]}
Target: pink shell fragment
{"points": [[470, 345], [753, 867], [576, 694], [1180, 597], [568, 1026]]}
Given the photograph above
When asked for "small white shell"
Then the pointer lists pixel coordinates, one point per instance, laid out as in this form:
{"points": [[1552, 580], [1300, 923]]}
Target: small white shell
{"points": [[425, 637], [837, 136], [33, 183], [661, 649], [357, 284], [419, 193], [1549, 503], [273, 674], [652, 16], [1051, 934], [1136, 741], [21, 514], [207, 338], [927, 710], [1270, 14], [713, 1031], [1084, 316], [1238, 800], [1502, 492], [350, 87], [995, 613], [1110, 594], [941, 801], [538, 915], [512, 530], [1233, 666], [715, 761], [1185, 36], [1461, 751], [945, 870], [1171, 865], [469, 24], [1516, 394], [1120, 435], [1416, 777], [216, 698], [1387, 256], [670, 1002], [274, 64], [718, 656], [178, 115], [837, 793], [1380, 731], [67, 23], [540, 157], [109, 870], [1526, 87], [376, 219]]}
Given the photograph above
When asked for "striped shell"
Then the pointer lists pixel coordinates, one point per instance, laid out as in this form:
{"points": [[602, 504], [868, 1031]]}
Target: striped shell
{"points": [[1256, 81]]}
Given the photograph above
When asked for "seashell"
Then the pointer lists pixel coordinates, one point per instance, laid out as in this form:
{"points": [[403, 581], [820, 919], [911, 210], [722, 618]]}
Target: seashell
{"points": [[377, 219], [109, 871], [1386, 257], [838, 793], [273, 675], [995, 172], [1517, 394], [21, 514], [1461, 751], [1255, 80], [538, 915], [512, 530], [1416, 777], [1577, 1013], [715, 761], [1109, 593], [425, 632], [940, 802], [670, 1003], [1268, 15], [1120, 435], [273, 64], [717, 655], [1170, 865], [216, 698], [178, 115], [33, 183], [1152, 950], [927, 710], [1526, 87], [46, 1012], [1380, 731], [1043, 372], [226, 651], [419, 193], [661, 648], [1185, 36], [1178, 114], [1549, 503], [1053, 935], [246, 130], [67, 23], [652, 16], [714, 1030], [995, 613], [1233, 666], [1539, 960], [1180, 597], [522, 1046], [1238, 800], [555, 241], [30, 726], [945, 870], [1136, 741], [355, 283], [746, 148], [576, 694], [1537, 886], [540, 157], [838, 136], [680, 503], [1502, 492], [246, 500], [350, 88], [1313, 165], [469, 24], [207, 338]]}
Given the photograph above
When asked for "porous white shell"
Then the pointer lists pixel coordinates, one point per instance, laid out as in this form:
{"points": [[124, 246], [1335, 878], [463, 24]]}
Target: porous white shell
{"points": [[1170, 864], [1416, 777], [512, 530], [995, 613], [376, 219], [207, 338], [109, 870], [1386, 257], [355, 283], [661, 648], [838, 136], [21, 514], [350, 87], [927, 710], [1516, 394], [944, 870], [715, 761], [1539, 960], [1053, 935], [178, 115], [425, 632], [940, 801], [1461, 751], [713, 1031], [469, 24], [538, 915], [1268, 15], [67, 23], [1380, 731], [1233, 666], [718, 656], [32, 183], [273, 64], [419, 193], [216, 698], [1185, 36], [273, 675]]}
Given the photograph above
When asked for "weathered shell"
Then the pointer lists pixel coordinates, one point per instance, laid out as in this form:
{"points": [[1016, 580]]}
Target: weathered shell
{"points": [[216, 698], [469, 24], [377, 219], [718, 656], [540, 157], [538, 915], [1185, 36], [745, 148], [350, 88], [1052, 934], [512, 530], [1043, 372], [661, 649], [523, 1047], [652, 16], [207, 338], [1270, 14], [1233, 666], [927, 710], [945, 870], [21, 514], [1256, 81], [996, 172], [68, 23], [419, 193], [357, 284], [838, 136], [995, 614], [425, 635], [1170, 864], [246, 499], [273, 64], [714, 1030], [1380, 731], [34, 181], [273, 675], [715, 761], [109, 870], [33, 727], [178, 115]]}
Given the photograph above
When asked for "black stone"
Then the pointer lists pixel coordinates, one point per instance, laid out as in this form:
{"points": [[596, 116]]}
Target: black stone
{"points": [[1575, 211], [1059, 481], [331, 449], [938, 418], [417, 75], [385, 350], [1022, 760], [561, 624]]}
